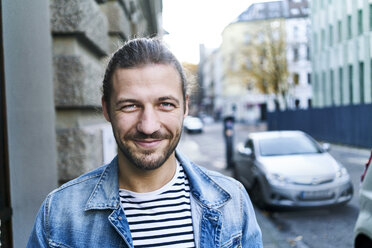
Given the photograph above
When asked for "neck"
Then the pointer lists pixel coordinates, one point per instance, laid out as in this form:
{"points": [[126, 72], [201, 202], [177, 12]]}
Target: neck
{"points": [[139, 180]]}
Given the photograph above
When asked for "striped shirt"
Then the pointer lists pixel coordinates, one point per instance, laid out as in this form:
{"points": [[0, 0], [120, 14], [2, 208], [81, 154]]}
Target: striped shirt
{"points": [[161, 218]]}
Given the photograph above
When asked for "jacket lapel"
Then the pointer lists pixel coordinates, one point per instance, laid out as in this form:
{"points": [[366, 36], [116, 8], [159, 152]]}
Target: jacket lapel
{"points": [[106, 196]]}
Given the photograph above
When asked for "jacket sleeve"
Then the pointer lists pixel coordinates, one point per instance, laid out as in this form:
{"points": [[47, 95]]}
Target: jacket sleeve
{"points": [[251, 232], [38, 237]]}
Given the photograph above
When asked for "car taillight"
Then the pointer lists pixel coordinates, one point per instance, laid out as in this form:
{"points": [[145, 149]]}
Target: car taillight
{"points": [[367, 165]]}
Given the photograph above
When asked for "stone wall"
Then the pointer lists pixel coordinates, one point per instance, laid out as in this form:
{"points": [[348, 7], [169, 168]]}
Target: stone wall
{"points": [[84, 33]]}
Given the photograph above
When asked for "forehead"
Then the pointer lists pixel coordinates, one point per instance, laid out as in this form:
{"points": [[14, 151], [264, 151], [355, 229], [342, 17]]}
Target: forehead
{"points": [[147, 79]]}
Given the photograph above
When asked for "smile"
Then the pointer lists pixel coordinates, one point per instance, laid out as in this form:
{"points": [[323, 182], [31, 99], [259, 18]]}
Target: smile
{"points": [[147, 143]]}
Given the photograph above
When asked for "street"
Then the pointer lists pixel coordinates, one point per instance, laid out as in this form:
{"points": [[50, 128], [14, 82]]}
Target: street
{"points": [[325, 227]]}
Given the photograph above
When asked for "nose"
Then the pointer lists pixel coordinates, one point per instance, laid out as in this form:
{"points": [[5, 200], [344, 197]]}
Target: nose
{"points": [[148, 122]]}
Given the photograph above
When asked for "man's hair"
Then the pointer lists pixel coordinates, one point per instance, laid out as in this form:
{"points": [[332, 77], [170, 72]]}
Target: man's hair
{"points": [[140, 52]]}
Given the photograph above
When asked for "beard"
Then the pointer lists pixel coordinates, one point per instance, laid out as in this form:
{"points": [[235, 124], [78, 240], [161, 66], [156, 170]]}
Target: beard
{"points": [[147, 159]]}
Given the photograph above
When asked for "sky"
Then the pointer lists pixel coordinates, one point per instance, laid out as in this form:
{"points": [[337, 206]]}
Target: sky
{"points": [[193, 22]]}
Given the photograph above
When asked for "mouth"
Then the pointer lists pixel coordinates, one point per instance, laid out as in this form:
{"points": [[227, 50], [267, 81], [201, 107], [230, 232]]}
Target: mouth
{"points": [[148, 143]]}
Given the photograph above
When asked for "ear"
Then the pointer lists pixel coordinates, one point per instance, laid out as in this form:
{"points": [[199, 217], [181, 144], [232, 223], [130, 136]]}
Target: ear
{"points": [[105, 109], [186, 106]]}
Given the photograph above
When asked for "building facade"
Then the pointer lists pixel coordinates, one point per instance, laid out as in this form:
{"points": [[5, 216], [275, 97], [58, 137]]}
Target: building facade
{"points": [[52, 64], [84, 33], [298, 34], [341, 52], [210, 78], [250, 40]]}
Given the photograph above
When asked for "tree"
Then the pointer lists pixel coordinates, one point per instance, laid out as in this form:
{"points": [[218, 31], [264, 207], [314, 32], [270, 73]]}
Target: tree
{"points": [[191, 73], [265, 66]]}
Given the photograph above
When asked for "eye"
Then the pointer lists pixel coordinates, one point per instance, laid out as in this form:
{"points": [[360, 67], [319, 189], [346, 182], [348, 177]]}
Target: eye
{"points": [[129, 107], [167, 106]]}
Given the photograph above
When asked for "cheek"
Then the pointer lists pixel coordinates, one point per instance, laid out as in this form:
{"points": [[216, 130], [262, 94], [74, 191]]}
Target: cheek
{"points": [[123, 124], [173, 121]]}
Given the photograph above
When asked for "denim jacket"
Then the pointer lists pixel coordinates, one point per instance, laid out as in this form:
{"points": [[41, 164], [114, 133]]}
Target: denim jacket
{"points": [[86, 212]]}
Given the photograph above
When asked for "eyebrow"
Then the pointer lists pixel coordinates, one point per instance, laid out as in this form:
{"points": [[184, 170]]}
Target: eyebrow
{"points": [[121, 101], [163, 98]]}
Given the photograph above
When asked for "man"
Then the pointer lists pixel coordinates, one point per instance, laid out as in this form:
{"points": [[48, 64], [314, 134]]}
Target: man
{"points": [[149, 195]]}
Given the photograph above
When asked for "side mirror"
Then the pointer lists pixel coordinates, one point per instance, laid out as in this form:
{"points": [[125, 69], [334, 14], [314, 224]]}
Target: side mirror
{"points": [[326, 147], [244, 151]]}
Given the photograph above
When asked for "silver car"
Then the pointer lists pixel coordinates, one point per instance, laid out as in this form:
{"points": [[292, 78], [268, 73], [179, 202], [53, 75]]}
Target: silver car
{"points": [[290, 169]]}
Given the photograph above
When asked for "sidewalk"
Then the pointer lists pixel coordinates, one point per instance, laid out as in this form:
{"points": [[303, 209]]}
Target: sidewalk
{"points": [[271, 236]]}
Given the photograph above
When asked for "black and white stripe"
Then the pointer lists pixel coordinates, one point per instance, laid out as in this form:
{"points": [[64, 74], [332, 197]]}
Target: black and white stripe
{"points": [[161, 218]]}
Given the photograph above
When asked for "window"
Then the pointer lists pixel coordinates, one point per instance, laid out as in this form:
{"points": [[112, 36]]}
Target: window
{"points": [[322, 37], [360, 21], [332, 87], [349, 32], [339, 30], [296, 78], [285, 145], [370, 16], [350, 72], [315, 42], [307, 52], [340, 79], [297, 103], [316, 87], [330, 35], [371, 73], [361, 81], [295, 54], [308, 78], [249, 144], [324, 87]]}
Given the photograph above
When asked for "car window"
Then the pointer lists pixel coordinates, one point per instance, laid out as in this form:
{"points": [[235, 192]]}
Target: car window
{"points": [[287, 145], [249, 144]]}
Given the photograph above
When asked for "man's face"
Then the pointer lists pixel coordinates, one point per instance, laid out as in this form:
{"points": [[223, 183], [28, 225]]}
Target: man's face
{"points": [[146, 111]]}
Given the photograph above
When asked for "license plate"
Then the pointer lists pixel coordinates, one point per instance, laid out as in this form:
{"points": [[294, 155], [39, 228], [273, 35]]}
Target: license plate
{"points": [[316, 195]]}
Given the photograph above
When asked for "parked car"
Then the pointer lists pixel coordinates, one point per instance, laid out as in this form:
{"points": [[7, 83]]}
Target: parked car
{"points": [[290, 169], [363, 226], [207, 119], [193, 124]]}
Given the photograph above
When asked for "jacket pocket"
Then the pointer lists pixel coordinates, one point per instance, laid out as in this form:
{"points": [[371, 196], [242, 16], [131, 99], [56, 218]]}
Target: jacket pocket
{"points": [[57, 245], [234, 242]]}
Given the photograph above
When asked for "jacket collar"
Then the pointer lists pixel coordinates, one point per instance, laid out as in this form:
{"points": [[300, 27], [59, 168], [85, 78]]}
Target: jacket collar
{"points": [[105, 194], [205, 190]]}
